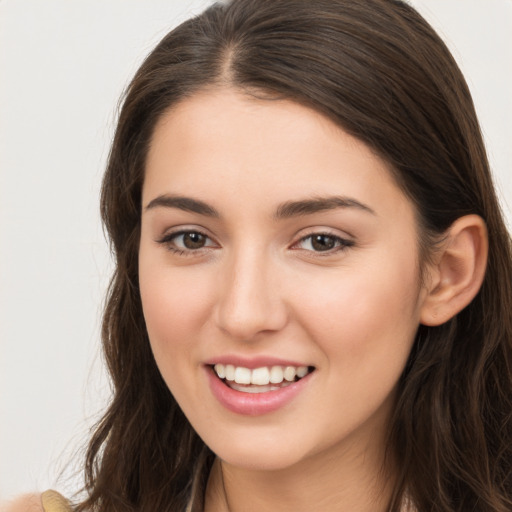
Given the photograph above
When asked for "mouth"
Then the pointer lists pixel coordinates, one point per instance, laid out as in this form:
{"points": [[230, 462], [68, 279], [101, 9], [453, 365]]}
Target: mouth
{"points": [[259, 380]]}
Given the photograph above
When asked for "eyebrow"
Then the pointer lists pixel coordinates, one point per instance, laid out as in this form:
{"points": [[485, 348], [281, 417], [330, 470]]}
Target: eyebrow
{"points": [[318, 204], [187, 204], [285, 210]]}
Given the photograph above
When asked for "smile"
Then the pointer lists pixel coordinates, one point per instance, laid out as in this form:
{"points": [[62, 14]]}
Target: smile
{"points": [[260, 380], [257, 391]]}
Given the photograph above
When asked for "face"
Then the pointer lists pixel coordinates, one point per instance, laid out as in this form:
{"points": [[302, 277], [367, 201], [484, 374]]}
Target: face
{"points": [[279, 278]]}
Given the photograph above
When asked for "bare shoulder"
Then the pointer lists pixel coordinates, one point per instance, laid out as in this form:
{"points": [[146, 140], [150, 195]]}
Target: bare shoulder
{"points": [[25, 503]]}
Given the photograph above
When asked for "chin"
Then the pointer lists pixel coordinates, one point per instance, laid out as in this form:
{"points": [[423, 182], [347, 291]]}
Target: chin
{"points": [[258, 461], [259, 452]]}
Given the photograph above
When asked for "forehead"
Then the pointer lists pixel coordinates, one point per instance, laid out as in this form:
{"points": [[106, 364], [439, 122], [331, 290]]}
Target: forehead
{"points": [[222, 143]]}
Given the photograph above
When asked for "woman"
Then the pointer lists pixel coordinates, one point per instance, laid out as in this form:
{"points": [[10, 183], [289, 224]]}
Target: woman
{"points": [[311, 308]]}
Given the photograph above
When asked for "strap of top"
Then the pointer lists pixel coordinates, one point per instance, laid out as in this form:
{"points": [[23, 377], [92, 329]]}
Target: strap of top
{"points": [[55, 502]]}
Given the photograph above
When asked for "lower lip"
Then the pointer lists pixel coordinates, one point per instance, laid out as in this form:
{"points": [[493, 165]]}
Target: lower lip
{"points": [[254, 404]]}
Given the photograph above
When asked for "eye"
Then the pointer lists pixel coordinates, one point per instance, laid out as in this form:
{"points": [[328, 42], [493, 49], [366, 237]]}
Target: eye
{"points": [[323, 242], [186, 241], [190, 240]]}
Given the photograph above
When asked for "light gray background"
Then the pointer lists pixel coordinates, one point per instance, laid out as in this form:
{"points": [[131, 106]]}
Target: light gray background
{"points": [[63, 66]]}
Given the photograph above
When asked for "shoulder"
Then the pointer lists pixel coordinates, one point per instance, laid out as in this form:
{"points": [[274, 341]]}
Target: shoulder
{"points": [[25, 503], [49, 501]]}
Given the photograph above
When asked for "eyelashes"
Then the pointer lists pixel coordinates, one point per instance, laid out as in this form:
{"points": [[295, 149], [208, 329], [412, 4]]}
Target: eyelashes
{"points": [[193, 242], [323, 243], [186, 242]]}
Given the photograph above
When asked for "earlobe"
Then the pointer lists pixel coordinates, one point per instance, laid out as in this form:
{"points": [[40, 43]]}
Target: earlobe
{"points": [[458, 271]]}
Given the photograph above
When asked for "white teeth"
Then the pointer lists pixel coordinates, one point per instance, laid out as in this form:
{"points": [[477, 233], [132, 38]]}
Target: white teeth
{"points": [[242, 375], [276, 375], [230, 372], [220, 370], [302, 371], [289, 373], [263, 376], [260, 376], [257, 389]]}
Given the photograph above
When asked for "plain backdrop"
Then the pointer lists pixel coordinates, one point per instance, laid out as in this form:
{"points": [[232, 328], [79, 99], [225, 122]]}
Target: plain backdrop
{"points": [[63, 66]]}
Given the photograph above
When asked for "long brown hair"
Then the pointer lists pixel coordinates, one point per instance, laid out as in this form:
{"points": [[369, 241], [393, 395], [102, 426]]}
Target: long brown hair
{"points": [[377, 69]]}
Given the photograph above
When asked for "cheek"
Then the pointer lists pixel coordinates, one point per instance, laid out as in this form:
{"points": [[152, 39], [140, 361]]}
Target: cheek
{"points": [[175, 305], [365, 320]]}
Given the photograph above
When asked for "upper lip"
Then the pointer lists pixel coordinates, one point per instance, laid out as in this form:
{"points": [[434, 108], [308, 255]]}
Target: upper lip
{"points": [[253, 362]]}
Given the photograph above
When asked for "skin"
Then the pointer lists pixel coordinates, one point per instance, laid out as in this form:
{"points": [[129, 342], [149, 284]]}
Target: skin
{"points": [[256, 285], [25, 503], [259, 288]]}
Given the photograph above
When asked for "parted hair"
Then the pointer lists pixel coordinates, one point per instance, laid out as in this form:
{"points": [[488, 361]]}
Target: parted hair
{"points": [[378, 70]]}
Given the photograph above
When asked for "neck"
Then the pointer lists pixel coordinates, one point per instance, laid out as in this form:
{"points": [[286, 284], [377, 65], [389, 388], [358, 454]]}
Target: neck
{"points": [[342, 479]]}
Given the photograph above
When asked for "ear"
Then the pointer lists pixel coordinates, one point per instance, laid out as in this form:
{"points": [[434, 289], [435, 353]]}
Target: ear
{"points": [[458, 271]]}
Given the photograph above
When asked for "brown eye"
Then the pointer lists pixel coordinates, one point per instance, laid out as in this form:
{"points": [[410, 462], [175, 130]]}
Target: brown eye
{"points": [[193, 240], [186, 242], [323, 242]]}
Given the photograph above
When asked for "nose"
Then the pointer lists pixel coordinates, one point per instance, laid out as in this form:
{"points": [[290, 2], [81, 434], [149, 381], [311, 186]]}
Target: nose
{"points": [[250, 301]]}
